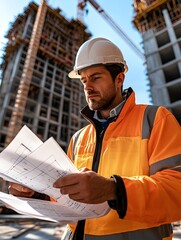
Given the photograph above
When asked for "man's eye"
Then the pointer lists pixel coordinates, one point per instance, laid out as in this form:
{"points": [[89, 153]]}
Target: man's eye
{"points": [[95, 78]]}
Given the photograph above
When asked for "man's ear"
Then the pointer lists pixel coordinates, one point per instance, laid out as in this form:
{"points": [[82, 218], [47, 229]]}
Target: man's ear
{"points": [[120, 79]]}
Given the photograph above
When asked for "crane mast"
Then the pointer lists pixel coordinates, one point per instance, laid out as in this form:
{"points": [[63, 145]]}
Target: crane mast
{"points": [[81, 6]]}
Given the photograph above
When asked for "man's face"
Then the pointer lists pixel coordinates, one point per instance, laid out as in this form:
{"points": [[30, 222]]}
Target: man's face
{"points": [[101, 92]]}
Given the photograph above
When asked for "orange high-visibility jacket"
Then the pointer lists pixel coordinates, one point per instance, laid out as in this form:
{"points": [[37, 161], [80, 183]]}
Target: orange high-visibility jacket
{"points": [[143, 146]]}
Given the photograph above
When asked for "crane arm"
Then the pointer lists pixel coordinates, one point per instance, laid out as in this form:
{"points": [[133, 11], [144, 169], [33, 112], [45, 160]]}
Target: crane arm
{"points": [[116, 27]]}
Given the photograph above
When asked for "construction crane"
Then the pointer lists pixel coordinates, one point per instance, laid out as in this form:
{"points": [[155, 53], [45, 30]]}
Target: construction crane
{"points": [[80, 14]]}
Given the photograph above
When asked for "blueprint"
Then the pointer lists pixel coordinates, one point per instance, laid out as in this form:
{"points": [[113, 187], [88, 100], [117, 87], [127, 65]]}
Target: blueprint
{"points": [[50, 211], [37, 165]]}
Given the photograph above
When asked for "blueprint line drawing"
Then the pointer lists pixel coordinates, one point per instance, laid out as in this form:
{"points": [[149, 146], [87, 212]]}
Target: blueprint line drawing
{"points": [[37, 165]]}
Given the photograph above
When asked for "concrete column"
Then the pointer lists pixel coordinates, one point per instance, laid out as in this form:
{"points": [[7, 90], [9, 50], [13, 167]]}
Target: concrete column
{"points": [[151, 50], [26, 26], [171, 34], [173, 38]]}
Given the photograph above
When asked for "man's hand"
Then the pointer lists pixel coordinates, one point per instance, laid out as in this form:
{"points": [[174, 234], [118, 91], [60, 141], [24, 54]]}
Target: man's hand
{"points": [[87, 187], [19, 190]]}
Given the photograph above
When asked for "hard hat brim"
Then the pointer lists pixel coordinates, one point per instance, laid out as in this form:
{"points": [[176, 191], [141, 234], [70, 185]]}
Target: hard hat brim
{"points": [[74, 74]]}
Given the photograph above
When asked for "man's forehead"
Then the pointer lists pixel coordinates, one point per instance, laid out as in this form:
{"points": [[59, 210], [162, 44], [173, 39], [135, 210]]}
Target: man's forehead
{"points": [[91, 71]]}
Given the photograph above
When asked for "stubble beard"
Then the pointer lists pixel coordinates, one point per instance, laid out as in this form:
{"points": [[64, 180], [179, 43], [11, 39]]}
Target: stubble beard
{"points": [[103, 104]]}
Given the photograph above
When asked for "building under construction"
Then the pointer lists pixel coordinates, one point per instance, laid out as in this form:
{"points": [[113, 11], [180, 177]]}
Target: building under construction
{"points": [[160, 25], [35, 89]]}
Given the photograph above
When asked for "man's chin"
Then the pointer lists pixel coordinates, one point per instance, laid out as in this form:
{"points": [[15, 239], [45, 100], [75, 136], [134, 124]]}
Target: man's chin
{"points": [[93, 107]]}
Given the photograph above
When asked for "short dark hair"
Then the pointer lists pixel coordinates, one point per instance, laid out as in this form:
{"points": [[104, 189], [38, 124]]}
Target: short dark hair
{"points": [[114, 69]]}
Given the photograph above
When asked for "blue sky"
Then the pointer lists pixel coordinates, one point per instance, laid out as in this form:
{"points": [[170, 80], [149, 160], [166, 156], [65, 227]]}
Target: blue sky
{"points": [[120, 11]]}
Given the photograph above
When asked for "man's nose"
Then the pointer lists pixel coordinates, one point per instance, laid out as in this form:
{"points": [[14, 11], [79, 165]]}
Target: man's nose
{"points": [[88, 85]]}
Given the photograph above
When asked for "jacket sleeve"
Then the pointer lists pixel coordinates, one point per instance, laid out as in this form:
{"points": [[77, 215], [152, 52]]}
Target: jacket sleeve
{"points": [[157, 198]]}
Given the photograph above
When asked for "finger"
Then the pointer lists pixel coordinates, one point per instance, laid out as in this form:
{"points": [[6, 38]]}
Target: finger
{"points": [[67, 180], [19, 188], [77, 198], [84, 169], [73, 189], [17, 193]]}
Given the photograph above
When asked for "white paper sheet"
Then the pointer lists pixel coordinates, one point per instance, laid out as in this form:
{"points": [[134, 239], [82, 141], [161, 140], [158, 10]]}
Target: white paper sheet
{"points": [[51, 211], [22, 145], [38, 165]]}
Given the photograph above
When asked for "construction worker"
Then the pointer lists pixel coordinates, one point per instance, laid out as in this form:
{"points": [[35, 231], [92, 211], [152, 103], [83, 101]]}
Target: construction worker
{"points": [[130, 155]]}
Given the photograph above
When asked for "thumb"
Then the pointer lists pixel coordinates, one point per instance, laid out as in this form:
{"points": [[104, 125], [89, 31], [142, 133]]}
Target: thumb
{"points": [[84, 169]]}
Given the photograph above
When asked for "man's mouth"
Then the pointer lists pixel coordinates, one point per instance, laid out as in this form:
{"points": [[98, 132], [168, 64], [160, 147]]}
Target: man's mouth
{"points": [[91, 95]]}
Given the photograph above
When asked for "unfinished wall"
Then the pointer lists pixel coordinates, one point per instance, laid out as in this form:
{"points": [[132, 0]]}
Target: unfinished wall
{"points": [[160, 25], [53, 101]]}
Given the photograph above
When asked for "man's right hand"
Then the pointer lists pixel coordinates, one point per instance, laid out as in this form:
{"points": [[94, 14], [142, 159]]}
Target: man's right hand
{"points": [[19, 190]]}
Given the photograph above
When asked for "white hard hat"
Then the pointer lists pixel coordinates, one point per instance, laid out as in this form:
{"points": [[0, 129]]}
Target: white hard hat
{"points": [[97, 51]]}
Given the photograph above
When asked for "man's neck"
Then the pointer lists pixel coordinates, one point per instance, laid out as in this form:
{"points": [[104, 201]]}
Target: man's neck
{"points": [[112, 113]]}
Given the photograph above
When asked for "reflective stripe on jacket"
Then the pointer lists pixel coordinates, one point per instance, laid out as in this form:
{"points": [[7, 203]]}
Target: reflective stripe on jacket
{"points": [[143, 146]]}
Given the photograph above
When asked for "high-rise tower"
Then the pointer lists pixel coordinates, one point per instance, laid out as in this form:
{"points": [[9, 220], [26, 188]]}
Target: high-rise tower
{"points": [[35, 88], [159, 22]]}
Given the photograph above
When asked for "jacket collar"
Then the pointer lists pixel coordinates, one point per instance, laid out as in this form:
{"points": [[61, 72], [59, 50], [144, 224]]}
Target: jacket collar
{"points": [[129, 99]]}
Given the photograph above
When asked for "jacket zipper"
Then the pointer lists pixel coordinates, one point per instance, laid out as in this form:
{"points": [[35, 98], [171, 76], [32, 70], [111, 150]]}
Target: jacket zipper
{"points": [[97, 153]]}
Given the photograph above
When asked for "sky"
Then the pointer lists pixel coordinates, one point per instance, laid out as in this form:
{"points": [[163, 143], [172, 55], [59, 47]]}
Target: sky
{"points": [[120, 11]]}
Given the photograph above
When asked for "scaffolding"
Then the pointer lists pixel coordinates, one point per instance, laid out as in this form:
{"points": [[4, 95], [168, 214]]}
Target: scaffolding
{"points": [[21, 97], [160, 25], [149, 14], [35, 89]]}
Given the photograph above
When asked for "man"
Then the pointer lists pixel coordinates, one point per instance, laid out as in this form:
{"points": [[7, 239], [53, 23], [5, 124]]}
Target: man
{"points": [[130, 155]]}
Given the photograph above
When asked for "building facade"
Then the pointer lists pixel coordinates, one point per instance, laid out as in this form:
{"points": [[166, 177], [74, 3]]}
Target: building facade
{"points": [[159, 22], [53, 102]]}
